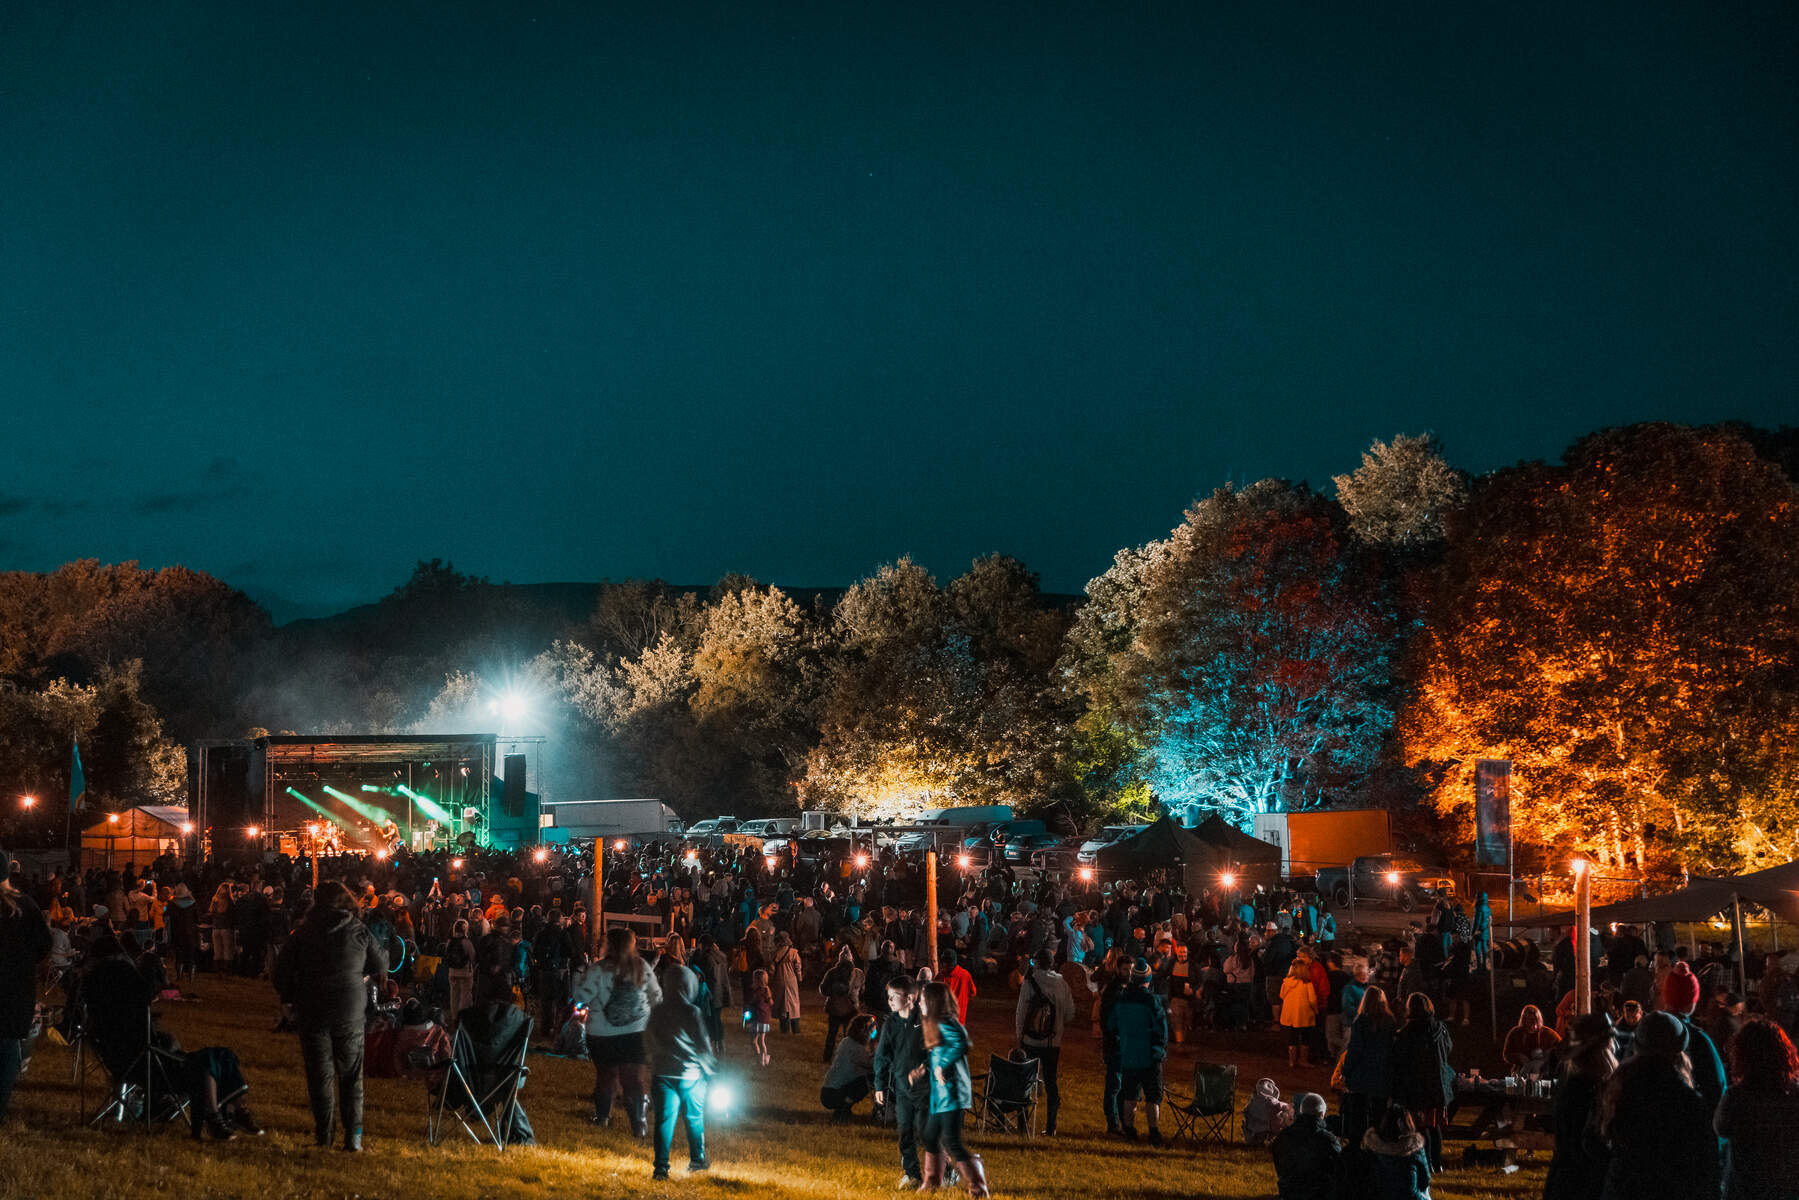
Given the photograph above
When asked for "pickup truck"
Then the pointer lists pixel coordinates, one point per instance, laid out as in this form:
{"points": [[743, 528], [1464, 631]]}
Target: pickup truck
{"points": [[1383, 877]]}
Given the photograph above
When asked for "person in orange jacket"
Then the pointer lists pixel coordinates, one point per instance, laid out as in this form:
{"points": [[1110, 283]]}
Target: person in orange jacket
{"points": [[959, 981]]}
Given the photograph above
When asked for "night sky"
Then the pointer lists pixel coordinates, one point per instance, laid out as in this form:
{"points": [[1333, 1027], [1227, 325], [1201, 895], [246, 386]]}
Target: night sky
{"points": [[300, 293]]}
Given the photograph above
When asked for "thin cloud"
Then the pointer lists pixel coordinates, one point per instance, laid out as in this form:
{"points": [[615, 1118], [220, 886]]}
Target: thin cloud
{"points": [[221, 480]]}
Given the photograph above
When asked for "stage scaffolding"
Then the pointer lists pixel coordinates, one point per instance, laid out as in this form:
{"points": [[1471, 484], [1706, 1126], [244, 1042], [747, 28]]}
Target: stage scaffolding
{"points": [[244, 784]]}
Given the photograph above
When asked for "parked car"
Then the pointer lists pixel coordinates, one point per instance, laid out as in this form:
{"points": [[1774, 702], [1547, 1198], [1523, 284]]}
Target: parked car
{"points": [[1020, 848], [1111, 835], [770, 827], [711, 832]]}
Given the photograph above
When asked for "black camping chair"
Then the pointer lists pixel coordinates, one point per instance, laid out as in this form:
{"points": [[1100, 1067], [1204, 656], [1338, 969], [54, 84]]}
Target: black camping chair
{"points": [[476, 1090], [1008, 1096], [1210, 1114], [144, 1081]]}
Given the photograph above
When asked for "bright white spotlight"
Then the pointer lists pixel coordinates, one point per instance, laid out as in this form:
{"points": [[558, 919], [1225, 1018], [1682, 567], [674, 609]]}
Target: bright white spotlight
{"points": [[861, 860], [187, 827], [962, 860], [721, 1096], [381, 855], [455, 864], [1228, 880], [1087, 874], [541, 855]]}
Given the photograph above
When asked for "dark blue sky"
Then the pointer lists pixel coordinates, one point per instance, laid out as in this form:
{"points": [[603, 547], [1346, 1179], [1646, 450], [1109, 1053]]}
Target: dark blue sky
{"points": [[298, 294]]}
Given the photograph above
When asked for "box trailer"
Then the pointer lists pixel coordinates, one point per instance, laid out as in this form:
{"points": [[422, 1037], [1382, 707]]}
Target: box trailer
{"points": [[1325, 837], [582, 820]]}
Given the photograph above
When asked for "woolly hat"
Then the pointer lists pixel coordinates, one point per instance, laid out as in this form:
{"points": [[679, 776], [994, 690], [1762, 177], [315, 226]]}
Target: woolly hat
{"points": [[1140, 971], [1680, 989], [1661, 1033]]}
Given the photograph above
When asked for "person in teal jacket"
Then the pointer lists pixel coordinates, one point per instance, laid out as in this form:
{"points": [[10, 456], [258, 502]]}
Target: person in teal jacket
{"points": [[952, 1092]]}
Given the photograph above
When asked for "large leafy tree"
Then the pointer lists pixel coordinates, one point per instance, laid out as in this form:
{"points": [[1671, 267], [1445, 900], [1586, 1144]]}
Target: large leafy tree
{"points": [[940, 696], [1269, 644], [1623, 626], [1248, 655]]}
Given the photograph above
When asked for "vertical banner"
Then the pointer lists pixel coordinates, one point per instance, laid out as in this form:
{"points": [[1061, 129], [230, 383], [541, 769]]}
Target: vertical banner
{"points": [[1493, 813]]}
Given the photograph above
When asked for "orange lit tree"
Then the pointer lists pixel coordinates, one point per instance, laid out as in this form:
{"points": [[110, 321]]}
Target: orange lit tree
{"points": [[1624, 627]]}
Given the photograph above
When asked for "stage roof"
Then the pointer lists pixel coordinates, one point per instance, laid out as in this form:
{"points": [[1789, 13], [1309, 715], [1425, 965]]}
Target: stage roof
{"points": [[374, 748]]}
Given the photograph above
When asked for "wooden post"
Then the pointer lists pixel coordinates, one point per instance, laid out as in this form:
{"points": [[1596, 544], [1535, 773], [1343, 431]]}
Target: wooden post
{"points": [[598, 900], [930, 905], [1736, 922], [1583, 941]]}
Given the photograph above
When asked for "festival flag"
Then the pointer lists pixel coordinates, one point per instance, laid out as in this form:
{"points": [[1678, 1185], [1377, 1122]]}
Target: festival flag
{"points": [[77, 782]]}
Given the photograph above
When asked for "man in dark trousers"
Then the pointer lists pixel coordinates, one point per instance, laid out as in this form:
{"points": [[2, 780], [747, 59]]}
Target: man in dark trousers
{"points": [[552, 954], [900, 1051], [322, 973]]}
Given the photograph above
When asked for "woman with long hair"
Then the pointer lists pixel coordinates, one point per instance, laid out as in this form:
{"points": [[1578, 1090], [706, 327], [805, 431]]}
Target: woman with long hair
{"points": [[1420, 1077], [952, 1091], [1299, 1012], [1367, 1063], [1759, 1113], [1577, 1172], [1658, 1126], [619, 991], [24, 943]]}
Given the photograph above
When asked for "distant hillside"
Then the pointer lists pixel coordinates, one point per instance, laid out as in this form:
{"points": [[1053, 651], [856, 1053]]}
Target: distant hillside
{"points": [[553, 607]]}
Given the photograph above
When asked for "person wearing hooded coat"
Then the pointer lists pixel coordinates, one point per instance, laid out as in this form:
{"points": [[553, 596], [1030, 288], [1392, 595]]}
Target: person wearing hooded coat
{"points": [[322, 973], [1577, 1171], [24, 943], [1658, 1125], [681, 1063], [1419, 1074], [1400, 1163]]}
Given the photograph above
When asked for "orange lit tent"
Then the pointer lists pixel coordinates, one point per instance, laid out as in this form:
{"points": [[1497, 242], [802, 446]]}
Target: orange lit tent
{"points": [[137, 837]]}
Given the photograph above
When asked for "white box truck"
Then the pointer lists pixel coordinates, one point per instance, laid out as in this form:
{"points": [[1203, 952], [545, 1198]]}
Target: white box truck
{"points": [[584, 820]]}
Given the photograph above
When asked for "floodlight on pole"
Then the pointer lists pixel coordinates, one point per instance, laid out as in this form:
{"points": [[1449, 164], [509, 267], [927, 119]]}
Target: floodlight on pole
{"points": [[112, 818], [252, 832]]}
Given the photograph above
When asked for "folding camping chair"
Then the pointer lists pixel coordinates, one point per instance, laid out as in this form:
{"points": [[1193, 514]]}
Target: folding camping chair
{"points": [[143, 1079], [475, 1090], [1210, 1114], [1009, 1094]]}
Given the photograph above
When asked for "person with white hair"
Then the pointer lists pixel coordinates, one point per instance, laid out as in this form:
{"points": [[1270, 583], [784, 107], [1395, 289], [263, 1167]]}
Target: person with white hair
{"points": [[1308, 1159]]}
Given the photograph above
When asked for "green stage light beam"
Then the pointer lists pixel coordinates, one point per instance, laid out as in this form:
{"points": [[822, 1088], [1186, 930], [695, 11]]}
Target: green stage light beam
{"points": [[320, 809], [431, 808], [367, 812]]}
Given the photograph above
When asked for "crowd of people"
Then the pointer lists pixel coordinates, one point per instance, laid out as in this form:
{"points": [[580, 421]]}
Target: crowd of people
{"points": [[394, 950]]}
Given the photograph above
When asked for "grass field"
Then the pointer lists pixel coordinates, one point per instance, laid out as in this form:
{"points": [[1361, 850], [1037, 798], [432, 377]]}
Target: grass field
{"points": [[782, 1146]]}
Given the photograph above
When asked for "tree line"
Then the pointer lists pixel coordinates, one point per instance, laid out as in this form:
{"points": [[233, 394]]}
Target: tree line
{"points": [[1623, 624]]}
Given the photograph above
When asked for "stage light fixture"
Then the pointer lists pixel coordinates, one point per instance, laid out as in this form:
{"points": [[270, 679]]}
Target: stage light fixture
{"points": [[252, 831]]}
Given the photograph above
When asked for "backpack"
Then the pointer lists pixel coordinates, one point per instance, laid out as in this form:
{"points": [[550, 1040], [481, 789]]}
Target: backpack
{"points": [[456, 955], [1040, 1014], [626, 1004]]}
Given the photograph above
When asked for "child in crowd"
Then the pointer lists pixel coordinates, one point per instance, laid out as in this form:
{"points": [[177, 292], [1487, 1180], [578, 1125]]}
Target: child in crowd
{"points": [[760, 1003]]}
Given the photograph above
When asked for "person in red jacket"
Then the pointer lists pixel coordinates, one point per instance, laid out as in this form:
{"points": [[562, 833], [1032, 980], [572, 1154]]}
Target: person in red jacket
{"points": [[958, 980]]}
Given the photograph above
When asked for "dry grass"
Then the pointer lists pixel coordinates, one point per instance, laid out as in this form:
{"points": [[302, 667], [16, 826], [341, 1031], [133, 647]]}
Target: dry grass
{"points": [[783, 1147]]}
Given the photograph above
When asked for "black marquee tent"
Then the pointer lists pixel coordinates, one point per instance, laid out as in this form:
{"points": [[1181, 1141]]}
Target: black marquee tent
{"points": [[1247, 855], [1200, 855]]}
